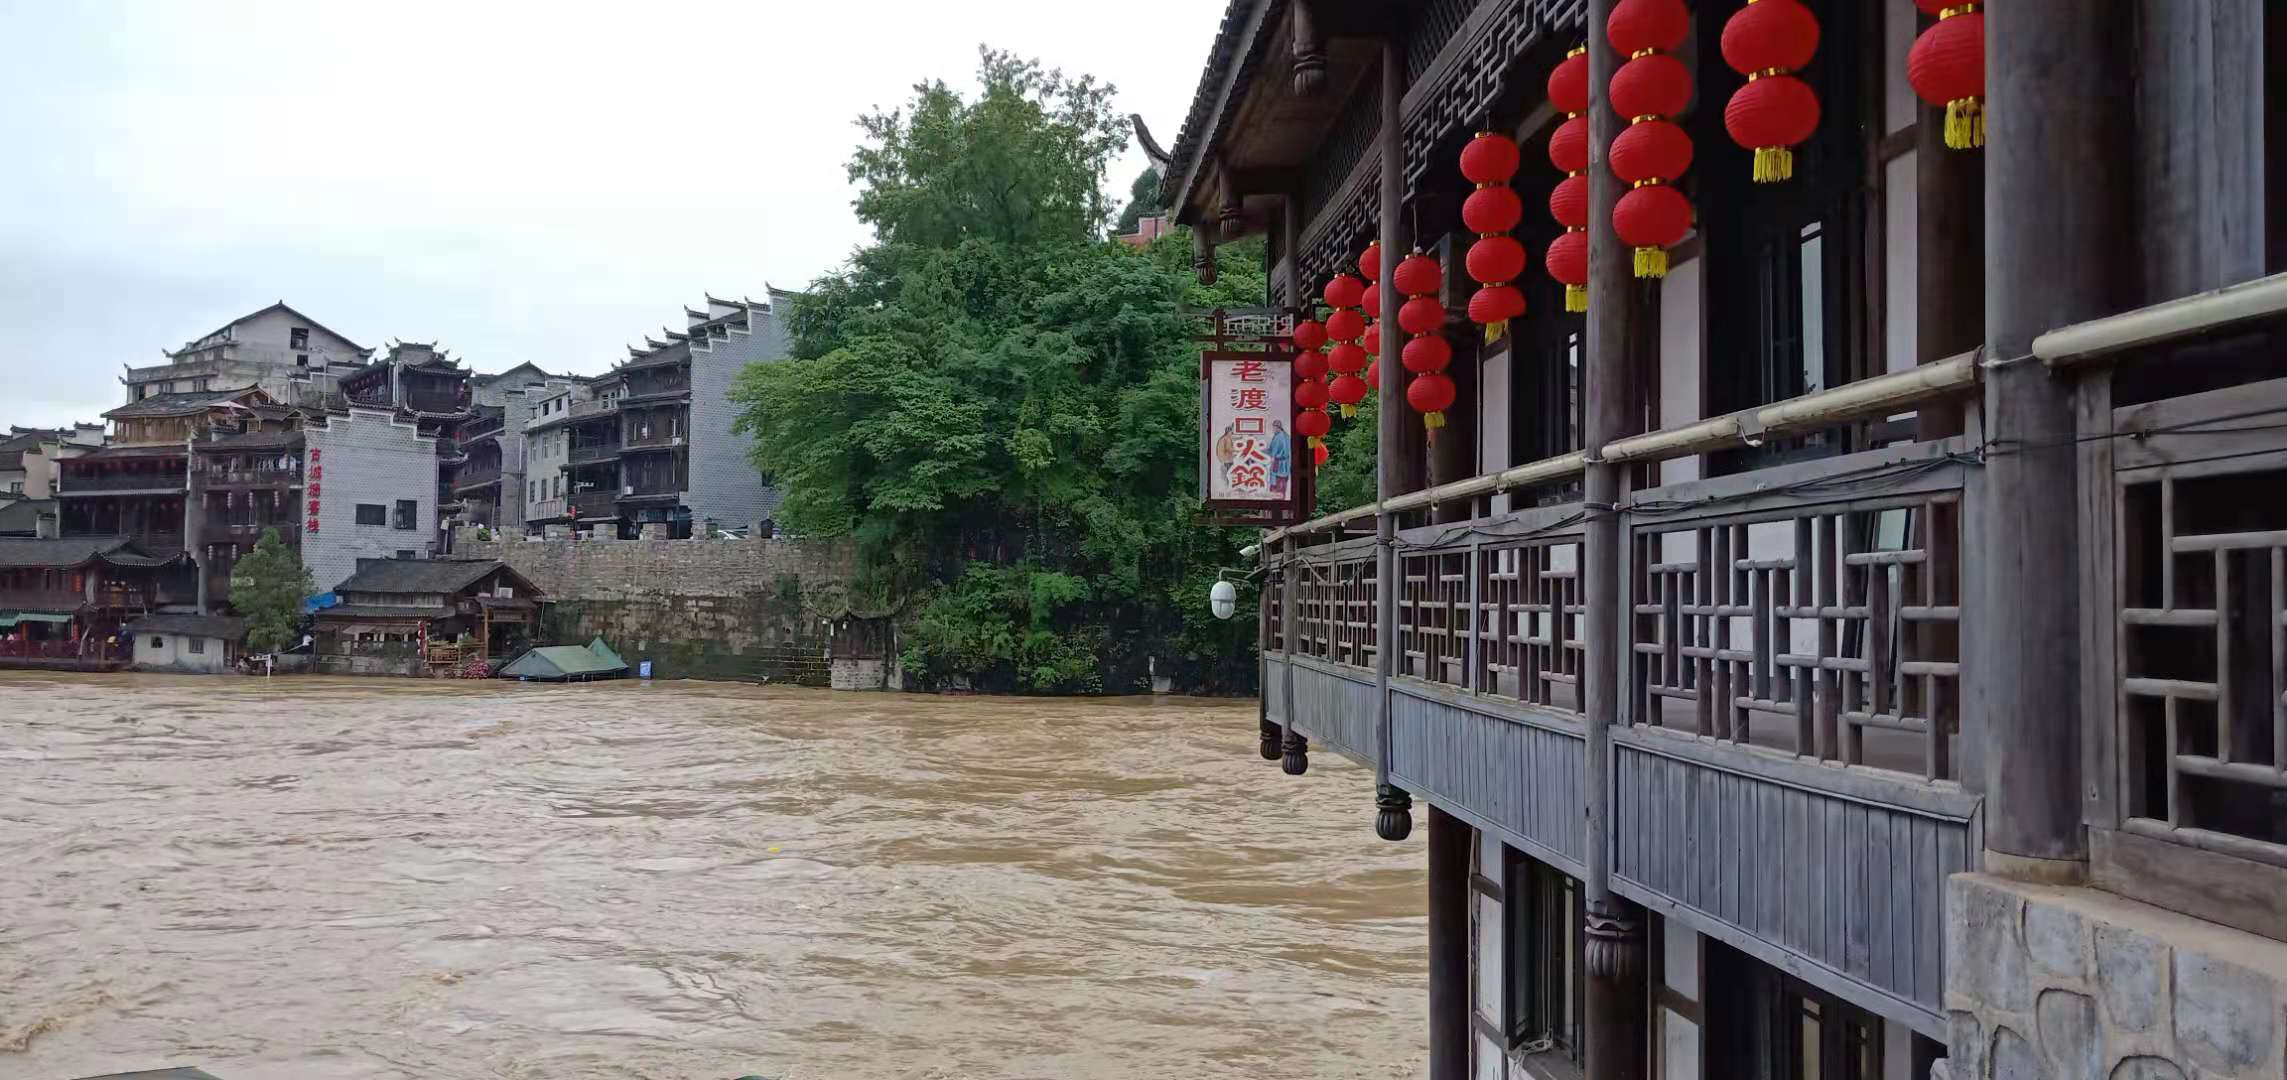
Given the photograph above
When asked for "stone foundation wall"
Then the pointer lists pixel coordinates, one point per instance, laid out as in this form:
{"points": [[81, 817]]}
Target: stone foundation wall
{"points": [[2079, 984], [755, 609]]}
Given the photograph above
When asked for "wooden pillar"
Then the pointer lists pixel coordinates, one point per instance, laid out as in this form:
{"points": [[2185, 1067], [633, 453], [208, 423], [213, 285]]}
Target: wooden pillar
{"points": [[2199, 145], [1274, 737], [1450, 841], [194, 520], [1617, 312], [1949, 254], [1394, 467], [1286, 736], [2054, 255]]}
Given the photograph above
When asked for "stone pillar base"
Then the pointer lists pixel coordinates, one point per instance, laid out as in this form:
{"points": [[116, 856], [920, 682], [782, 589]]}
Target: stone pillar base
{"points": [[2066, 982]]}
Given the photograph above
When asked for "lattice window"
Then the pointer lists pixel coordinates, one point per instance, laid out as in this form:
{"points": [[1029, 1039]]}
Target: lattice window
{"points": [[1433, 617], [1832, 634], [2203, 651], [1529, 622], [1335, 620]]}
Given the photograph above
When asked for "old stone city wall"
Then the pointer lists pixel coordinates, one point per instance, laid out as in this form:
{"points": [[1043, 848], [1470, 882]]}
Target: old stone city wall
{"points": [[752, 609]]}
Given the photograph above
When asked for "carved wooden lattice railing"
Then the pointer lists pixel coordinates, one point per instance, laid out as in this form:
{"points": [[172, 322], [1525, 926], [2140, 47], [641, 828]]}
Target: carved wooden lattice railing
{"points": [[1334, 609], [1812, 608], [2201, 618]]}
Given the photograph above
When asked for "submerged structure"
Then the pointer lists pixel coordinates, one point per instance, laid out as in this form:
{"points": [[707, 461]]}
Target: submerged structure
{"points": [[566, 663], [1828, 583]]}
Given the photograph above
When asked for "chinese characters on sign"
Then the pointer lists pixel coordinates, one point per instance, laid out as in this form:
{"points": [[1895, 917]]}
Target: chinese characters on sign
{"points": [[317, 474], [1249, 444]]}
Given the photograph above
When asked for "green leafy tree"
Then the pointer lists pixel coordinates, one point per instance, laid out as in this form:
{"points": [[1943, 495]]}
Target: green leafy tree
{"points": [[267, 587], [1143, 199], [1001, 406]]}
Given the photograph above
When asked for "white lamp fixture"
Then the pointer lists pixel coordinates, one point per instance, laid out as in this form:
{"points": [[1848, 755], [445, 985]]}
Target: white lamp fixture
{"points": [[1223, 599]]}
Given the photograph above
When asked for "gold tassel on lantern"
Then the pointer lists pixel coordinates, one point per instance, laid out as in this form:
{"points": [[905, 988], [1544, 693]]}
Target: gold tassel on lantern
{"points": [[1349, 411], [1775, 163], [1317, 443], [1965, 123], [1494, 329], [1651, 262], [1576, 298]]}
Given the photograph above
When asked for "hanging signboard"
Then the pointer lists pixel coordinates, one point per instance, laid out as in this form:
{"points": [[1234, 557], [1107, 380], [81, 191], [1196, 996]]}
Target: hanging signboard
{"points": [[1248, 452], [1253, 469]]}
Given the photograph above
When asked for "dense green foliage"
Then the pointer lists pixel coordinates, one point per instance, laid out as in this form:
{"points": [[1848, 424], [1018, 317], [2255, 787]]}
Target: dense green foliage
{"points": [[1143, 198], [1001, 405], [267, 587]]}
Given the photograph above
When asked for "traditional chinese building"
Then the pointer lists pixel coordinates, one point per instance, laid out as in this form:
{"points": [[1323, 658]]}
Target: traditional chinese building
{"points": [[1835, 631], [63, 601]]}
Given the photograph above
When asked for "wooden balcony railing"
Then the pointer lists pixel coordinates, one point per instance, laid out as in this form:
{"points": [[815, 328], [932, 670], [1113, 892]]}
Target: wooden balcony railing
{"points": [[135, 481], [595, 504], [589, 453], [217, 479]]}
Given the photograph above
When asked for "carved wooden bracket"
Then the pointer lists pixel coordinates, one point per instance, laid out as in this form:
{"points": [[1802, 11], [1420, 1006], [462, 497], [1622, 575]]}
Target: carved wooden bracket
{"points": [[1309, 50]]}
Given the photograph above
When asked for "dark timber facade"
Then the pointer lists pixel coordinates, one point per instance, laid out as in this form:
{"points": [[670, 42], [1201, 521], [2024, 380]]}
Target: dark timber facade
{"points": [[1861, 653]]}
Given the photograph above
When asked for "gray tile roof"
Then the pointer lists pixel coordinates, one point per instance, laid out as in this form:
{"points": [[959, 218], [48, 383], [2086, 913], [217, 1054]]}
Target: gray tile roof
{"points": [[176, 404], [221, 626], [18, 552], [23, 515], [419, 575], [384, 611]]}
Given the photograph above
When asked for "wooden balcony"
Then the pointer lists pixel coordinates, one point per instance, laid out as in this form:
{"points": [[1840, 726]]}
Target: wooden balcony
{"points": [[221, 479], [595, 505], [590, 453], [79, 483]]}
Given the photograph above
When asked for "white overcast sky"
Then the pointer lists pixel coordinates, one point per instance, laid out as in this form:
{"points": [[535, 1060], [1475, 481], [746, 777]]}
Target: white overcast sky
{"points": [[522, 182]]}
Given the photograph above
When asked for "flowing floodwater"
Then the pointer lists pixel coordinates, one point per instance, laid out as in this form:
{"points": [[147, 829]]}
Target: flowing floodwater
{"points": [[325, 879]]}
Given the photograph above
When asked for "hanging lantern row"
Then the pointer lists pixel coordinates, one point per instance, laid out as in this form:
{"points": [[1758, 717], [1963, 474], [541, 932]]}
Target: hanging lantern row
{"points": [[1947, 69], [1567, 255], [1495, 260], [1768, 41], [1653, 152], [1310, 385], [1344, 325], [1426, 352]]}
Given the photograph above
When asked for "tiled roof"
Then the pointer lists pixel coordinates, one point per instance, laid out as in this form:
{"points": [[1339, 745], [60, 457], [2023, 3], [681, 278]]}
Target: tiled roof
{"points": [[418, 575], [22, 516], [25, 553], [177, 404], [221, 626]]}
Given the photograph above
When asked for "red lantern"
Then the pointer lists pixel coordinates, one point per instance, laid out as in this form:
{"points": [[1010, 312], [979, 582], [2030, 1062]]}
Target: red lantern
{"points": [[1568, 202], [1374, 376], [1769, 115], [1770, 35], [1342, 292], [1651, 219], [1422, 315], [1652, 153], [1765, 41], [1347, 391], [1497, 303], [1430, 395], [1947, 68], [1309, 334], [1568, 146], [1371, 302], [1568, 83], [1490, 159], [1310, 366], [1345, 324], [1348, 358], [1496, 259], [1654, 85], [1310, 394], [1494, 208], [1313, 425], [1637, 25], [1418, 273], [1317, 452], [1568, 263], [1429, 352], [1370, 261], [1651, 150]]}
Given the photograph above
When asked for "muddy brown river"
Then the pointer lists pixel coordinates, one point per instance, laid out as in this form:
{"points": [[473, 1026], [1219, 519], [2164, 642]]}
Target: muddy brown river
{"points": [[339, 879]]}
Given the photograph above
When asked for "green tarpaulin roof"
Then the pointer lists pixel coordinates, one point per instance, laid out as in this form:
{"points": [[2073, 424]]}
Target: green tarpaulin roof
{"points": [[12, 618], [566, 662]]}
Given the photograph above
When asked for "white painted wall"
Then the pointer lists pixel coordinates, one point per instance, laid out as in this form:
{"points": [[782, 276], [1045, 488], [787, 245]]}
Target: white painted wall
{"points": [[172, 652], [1679, 1038], [1681, 378], [1493, 417], [1900, 245], [368, 457]]}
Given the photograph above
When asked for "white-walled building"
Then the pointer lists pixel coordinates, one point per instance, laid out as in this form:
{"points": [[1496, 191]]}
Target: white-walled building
{"points": [[372, 479]]}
